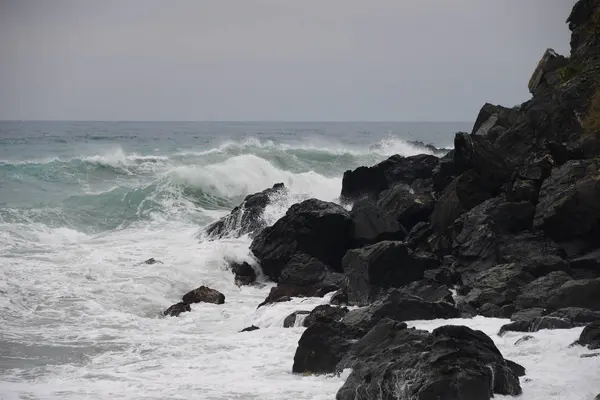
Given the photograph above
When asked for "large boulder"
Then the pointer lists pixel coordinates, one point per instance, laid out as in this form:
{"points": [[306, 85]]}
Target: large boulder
{"points": [[587, 264], [405, 205], [584, 293], [453, 362], [324, 313], [492, 117], [480, 155], [372, 224], [382, 265], [371, 181], [538, 292], [576, 315], [247, 217], [546, 74], [399, 306], [568, 202], [322, 346], [590, 336], [462, 194], [320, 229]]}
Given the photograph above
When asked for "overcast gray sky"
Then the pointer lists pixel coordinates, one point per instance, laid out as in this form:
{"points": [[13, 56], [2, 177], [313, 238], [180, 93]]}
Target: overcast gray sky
{"points": [[394, 60]]}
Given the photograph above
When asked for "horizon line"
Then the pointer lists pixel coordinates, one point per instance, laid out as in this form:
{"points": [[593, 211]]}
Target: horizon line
{"points": [[233, 121]]}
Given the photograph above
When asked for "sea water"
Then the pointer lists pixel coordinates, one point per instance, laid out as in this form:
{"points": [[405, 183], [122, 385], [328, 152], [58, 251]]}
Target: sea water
{"points": [[83, 204]]}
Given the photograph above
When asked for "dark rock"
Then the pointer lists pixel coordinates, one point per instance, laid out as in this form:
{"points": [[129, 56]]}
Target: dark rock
{"points": [[462, 194], [400, 307], [204, 294], [250, 329], [590, 355], [517, 369], [418, 236], [152, 261], [320, 229], [177, 309], [577, 316], [382, 265], [247, 217], [453, 362], [290, 320], [538, 292], [428, 290], [324, 313], [480, 155], [583, 293], [339, 297], [535, 325], [372, 224], [475, 232], [407, 206], [528, 315], [322, 346], [284, 292], [371, 181], [305, 270], [568, 204], [445, 172], [244, 273], [493, 116], [589, 262], [545, 74], [490, 310], [590, 336]]}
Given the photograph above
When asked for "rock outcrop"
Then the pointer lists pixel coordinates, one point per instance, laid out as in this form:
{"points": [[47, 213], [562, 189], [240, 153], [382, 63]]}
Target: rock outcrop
{"points": [[247, 218]]}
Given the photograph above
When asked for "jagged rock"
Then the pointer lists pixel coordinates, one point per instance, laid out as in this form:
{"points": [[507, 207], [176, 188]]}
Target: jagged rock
{"points": [[322, 346], [587, 264], [250, 329], [583, 22], [577, 316], [453, 362], [382, 265], [445, 172], [247, 217], [290, 320], [480, 155], [535, 325], [528, 179], [462, 194], [405, 205], [320, 229], [545, 74], [372, 224], [204, 294], [590, 336], [371, 181], [493, 117], [528, 314], [538, 292], [568, 203], [244, 273], [324, 313], [584, 293], [339, 297], [476, 231], [517, 369], [399, 306], [285, 292], [152, 261], [177, 309]]}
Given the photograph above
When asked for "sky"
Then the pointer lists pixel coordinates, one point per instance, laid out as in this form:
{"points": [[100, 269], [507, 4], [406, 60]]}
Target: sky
{"points": [[283, 60]]}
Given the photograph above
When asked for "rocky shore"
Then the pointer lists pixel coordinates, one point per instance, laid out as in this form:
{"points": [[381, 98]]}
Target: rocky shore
{"points": [[507, 225]]}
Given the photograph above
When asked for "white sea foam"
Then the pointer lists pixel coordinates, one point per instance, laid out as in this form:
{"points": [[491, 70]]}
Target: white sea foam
{"points": [[244, 174]]}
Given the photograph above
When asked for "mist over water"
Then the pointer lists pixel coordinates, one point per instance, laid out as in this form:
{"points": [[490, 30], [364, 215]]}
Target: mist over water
{"points": [[82, 205]]}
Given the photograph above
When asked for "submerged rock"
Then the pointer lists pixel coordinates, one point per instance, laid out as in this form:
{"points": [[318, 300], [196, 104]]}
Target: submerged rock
{"points": [[244, 273], [204, 294], [177, 309], [250, 329], [590, 336], [290, 320]]}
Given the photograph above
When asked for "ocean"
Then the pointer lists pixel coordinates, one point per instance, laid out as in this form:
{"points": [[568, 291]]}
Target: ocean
{"points": [[83, 204]]}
